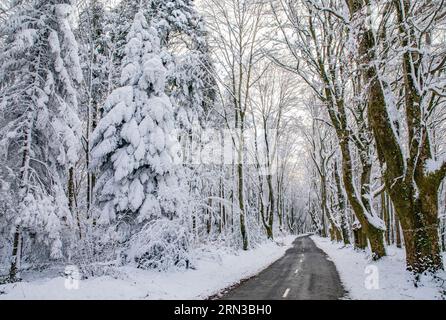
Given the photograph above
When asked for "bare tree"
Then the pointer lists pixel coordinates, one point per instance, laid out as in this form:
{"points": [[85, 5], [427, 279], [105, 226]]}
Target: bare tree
{"points": [[236, 40], [316, 42], [273, 97]]}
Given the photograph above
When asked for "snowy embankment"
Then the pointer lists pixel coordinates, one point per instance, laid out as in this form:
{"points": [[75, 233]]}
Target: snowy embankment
{"points": [[215, 270], [386, 279]]}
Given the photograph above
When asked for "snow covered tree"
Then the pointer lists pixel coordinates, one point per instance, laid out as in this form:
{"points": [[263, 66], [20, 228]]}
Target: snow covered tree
{"points": [[400, 115], [136, 152], [96, 55], [120, 19], [190, 83], [183, 34], [175, 17], [239, 51], [323, 63], [40, 129], [185, 52]]}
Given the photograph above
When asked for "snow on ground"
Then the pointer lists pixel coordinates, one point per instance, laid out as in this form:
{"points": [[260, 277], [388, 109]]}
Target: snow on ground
{"points": [[386, 279], [216, 269]]}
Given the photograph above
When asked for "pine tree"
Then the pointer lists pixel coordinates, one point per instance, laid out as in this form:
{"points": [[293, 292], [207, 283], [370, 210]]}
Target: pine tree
{"points": [[39, 125], [189, 75], [190, 83], [190, 72], [119, 23], [136, 151]]}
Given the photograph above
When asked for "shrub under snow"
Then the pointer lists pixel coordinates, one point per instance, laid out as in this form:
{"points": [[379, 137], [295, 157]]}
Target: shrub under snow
{"points": [[161, 244]]}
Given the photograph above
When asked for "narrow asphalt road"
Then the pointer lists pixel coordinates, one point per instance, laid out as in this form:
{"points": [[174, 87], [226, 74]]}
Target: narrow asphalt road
{"points": [[303, 273]]}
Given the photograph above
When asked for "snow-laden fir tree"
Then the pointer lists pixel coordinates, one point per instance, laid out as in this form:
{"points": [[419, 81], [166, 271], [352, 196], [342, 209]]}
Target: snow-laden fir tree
{"points": [[39, 127], [183, 34], [173, 17], [190, 84], [120, 19], [139, 189]]}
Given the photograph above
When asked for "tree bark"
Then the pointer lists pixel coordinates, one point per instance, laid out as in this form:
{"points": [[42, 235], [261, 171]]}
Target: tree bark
{"points": [[16, 256], [386, 216], [341, 204], [241, 201], [413, 194], [374, 234], [397, 232], [360, 239]]}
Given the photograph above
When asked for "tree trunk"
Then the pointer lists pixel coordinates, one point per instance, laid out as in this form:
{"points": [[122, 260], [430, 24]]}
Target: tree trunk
{"points": [[360, 239], [324, 227], [374, 234], [71, 189], [337, 234], [271, 205], [87, 159], [16, 256], [209, 220], [344, 229], [420, 231], [241, 201], [341, 204], [331, 233], [71, 200], [443, 238], [443, 235], [222, 207], [386, 216], [397, 232], [414, 195]]}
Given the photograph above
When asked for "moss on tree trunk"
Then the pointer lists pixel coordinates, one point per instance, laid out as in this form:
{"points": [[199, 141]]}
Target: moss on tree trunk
{"points": [[413, 192]]}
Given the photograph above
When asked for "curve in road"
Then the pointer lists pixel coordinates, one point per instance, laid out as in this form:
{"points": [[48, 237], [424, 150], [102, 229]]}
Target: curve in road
{"points": [[303, 273]]}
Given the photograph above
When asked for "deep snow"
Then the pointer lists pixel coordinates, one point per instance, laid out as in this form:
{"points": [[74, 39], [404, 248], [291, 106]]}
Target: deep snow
{"points": [[216, 269], [392, 281]]}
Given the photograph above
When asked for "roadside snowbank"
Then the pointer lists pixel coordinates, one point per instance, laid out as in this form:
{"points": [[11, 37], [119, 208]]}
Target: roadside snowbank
{"points": [[216, 269], [358, 273]]}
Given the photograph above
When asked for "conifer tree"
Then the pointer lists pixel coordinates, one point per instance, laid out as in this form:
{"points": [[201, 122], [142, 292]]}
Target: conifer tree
{"points": [[136, 151], [39, 124]]}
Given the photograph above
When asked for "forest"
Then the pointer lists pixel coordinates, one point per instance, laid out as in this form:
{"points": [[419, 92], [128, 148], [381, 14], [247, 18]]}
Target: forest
{"points": [[135, 133]]}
